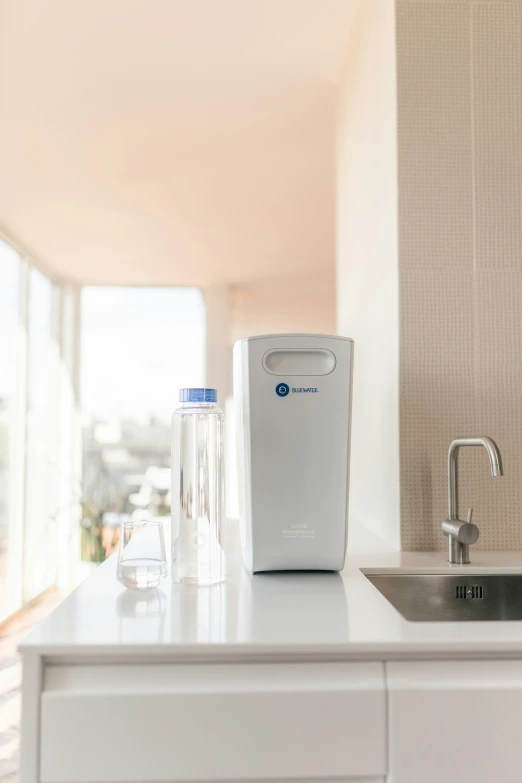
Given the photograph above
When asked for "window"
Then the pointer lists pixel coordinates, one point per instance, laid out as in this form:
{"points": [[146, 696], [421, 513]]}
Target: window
{"points": [[139, 346], [42, 427], [38, 506], [10, 457]]}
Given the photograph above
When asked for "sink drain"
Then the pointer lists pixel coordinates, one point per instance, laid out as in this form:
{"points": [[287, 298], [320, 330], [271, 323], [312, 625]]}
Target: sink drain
{"points": [[463, 592]]}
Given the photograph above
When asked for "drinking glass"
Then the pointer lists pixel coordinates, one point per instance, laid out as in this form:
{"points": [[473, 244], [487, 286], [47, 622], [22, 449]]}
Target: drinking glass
{"points": [[142, 562]]}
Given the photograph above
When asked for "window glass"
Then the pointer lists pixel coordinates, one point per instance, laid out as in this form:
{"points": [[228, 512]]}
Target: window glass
{"points": [[10, 462], [138, 347], [41, 485]]}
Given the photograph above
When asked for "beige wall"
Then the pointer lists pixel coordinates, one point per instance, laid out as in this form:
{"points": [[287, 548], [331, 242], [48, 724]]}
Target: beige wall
{"points": [[457, 108], [460, 247], [367, 277]]}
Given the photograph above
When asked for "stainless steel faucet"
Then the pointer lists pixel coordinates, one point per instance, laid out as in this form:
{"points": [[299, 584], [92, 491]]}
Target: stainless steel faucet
{"points": [[462, 534]]}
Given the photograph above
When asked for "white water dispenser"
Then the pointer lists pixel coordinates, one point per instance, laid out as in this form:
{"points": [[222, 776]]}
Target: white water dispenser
{"points": [[292, 396]]}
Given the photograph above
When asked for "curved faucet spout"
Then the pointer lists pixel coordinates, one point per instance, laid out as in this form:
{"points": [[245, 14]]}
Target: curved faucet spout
{"points": [[453, 482], [490, 446]]}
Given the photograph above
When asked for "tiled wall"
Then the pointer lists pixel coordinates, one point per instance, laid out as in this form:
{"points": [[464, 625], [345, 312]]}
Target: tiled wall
{"points": [[459, 92]]}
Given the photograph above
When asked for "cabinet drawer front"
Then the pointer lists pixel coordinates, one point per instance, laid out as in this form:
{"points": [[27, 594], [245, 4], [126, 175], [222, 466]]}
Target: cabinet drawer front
{"points": [[196, 723], [455, 721]]}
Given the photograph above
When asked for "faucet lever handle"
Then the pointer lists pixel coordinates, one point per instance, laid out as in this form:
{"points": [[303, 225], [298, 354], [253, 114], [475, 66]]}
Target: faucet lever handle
{"points": [[470, 514]]}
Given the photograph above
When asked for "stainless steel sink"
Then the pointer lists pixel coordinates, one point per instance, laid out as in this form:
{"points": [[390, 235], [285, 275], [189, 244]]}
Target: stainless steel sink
{"points": [[452, 598]]}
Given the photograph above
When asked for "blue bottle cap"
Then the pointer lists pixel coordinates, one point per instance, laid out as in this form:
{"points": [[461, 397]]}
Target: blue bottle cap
{"points": [[198, 395]]}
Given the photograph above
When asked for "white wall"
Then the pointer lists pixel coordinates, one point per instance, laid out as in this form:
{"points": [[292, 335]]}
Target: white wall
{"points": [[218, 360], [297, 304], [367, 263]]}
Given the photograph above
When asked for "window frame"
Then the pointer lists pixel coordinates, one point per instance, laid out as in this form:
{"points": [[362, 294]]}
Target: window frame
{"points": [[66, 335]]}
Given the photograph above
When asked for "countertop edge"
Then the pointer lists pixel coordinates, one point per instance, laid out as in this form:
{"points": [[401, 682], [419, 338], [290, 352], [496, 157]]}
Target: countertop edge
{"points": [[97, 654]]}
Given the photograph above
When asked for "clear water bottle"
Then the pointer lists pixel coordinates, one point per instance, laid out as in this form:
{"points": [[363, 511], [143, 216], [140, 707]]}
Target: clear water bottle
{"points": [[197, 489]]}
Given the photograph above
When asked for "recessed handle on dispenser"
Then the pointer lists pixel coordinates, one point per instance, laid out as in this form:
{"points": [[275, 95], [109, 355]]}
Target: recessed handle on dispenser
{"points": [[299, 361]]}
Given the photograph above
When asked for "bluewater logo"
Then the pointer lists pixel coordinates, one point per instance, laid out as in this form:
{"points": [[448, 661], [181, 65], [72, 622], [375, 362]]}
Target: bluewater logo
{"points": [[282, 389]]}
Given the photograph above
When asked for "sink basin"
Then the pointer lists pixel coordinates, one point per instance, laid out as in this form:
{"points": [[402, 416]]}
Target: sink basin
{"points": [[452, 597]]}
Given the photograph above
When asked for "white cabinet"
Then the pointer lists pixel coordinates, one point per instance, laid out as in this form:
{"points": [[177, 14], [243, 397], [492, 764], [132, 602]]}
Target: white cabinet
{"points": [[455, 721], [444, 721], [165, 722]]}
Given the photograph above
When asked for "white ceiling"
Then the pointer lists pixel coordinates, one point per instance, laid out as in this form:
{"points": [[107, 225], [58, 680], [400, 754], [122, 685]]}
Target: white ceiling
{"points": [[171, 141]]}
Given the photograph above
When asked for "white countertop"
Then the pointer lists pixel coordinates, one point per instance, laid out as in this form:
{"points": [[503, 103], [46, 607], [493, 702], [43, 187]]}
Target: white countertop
{"points": [[272, 616]]}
